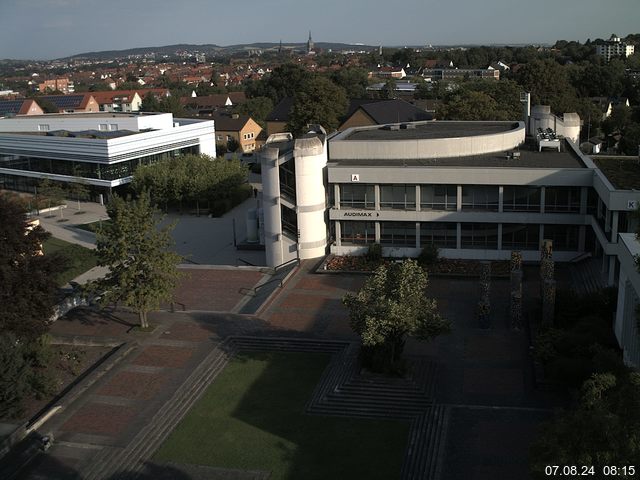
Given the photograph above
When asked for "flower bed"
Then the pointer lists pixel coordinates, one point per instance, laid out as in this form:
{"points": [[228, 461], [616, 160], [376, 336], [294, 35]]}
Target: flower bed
{"points": [[444, 266]]}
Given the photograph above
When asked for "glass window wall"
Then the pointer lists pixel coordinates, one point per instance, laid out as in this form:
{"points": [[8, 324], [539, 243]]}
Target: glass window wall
{"points": [[521, 199], [440, 234], [480, 235], [357, 233], [398, 197], [357, 196], [518, 236], [562, 200], [398, 234], [480, 197], [438, 197]]}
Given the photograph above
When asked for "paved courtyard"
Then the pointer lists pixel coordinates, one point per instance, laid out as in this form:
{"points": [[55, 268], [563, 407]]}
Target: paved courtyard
{"points": [[483, 376]]}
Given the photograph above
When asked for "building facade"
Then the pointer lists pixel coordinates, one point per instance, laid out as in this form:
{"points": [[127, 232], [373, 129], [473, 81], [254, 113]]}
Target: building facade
{"points": [[98, 149], [613, 48]]}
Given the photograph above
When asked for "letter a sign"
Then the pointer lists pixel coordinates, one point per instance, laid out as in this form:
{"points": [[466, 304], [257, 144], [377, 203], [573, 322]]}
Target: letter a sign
{"points": [[355, 177]]}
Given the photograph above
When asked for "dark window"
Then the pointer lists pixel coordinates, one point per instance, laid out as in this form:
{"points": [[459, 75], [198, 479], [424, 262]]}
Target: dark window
{"points": [[289, 222], [357, 233], [480, 197], [480, 235], [438, 197], [562, 200], [441, 234], [517, 236], [398, 234], [288, 180], [521, 199], [564, 237], [592, 201], [357, 196], [398, 197]]}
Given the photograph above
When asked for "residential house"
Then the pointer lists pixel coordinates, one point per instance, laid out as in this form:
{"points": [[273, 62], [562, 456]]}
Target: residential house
{"points": [[362, 113], [118, 101], [25, 106], [63, 85], [81, 102], [241, 128]]}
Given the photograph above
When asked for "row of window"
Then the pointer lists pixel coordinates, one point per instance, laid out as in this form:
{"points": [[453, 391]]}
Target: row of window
{"points": [[474, 197], [515, 236], [112, 171]]}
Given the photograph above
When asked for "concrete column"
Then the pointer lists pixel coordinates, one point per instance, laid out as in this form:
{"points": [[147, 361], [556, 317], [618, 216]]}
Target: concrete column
{"points": [[542, 194], [541, 235], [500, 198], [500, 235], [611, 280], [336, 195], [607, 221], [417, 234], [376, 191], [458, 235], [418, 198], [274, 244], [338, 226], [459, 199], [584, 193], [377, 232], [599, 207], [614, 226], [582, 232]]}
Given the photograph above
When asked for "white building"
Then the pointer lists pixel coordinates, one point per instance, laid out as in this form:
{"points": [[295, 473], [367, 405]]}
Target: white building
{"points": [[102, 149], [613, 48]]}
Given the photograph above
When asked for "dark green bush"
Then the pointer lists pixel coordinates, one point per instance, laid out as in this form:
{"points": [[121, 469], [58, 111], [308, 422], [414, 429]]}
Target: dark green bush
{"points": [[429, 255], [375, 252]]}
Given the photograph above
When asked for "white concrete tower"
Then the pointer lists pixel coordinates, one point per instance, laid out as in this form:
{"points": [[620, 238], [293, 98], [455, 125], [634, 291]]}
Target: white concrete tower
{"points": [[310, 155]]}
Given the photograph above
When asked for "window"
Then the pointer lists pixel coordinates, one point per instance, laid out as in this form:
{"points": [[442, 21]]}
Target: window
{"points": [[398, 234], [357, 196], [398, 197], [521, 199], [564, 237], [480, 197], [562, 200], [288, 179], [289, 222], [517, 236], [357, 233], [43, 127], [438, 197], [480, 235], [440, 234], [113, 127], [103, 127], [219, 137]]}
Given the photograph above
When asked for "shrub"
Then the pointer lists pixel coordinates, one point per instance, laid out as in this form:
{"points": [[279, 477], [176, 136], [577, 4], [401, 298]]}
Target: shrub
{"points": [[429, 255], [375, 252]]}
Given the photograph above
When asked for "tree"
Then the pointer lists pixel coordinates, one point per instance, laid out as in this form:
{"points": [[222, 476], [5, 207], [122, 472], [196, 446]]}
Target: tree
{"points": [[150, 103], [27, 278], [257, 108], [354, 80], [391, 306], [142, 270], [51, 192], [548, 83], [602, 430], [319, 101], [14, 376], [284, 81]]}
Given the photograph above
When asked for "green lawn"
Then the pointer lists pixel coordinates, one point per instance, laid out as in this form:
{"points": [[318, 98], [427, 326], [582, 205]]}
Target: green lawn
{"points": [[79, 259], [93, 226], [252, 417]]}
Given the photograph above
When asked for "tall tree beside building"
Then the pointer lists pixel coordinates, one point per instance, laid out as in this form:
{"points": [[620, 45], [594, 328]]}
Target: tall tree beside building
{"points": [[319, 101], [391, 306], [27, 278], [142, 268]]}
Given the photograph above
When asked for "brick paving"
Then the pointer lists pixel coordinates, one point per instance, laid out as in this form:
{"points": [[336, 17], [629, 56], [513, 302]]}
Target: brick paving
{"points": [[163, 356], [100, 419], [217, 290], [134, 385]]}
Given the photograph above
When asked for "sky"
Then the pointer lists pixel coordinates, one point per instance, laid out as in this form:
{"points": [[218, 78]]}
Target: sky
{"points": [[47, 29]]}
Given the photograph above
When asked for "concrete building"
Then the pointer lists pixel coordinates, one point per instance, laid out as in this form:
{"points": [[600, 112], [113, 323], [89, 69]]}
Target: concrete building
{"points": [[241, 128], [476, 190], [63, 85], [81, 102], [118, 101], [101, 149], [613, 48], [25, 106]]}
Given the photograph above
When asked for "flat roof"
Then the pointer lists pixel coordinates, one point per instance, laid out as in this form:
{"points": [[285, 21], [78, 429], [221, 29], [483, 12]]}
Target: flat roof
{"points": [[84, 114], [431, 130], [622, 172], [530, 157]]}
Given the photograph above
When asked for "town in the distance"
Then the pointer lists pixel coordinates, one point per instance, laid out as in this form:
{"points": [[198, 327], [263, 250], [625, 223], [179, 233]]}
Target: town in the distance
{"points": [[319, 260]]}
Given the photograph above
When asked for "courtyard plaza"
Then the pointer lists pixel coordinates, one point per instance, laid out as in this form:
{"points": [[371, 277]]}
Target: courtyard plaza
{"points": [[480, 378]]}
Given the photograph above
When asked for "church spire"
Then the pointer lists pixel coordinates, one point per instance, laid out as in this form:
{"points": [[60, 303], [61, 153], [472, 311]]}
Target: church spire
{"points": [[310, 43]]}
